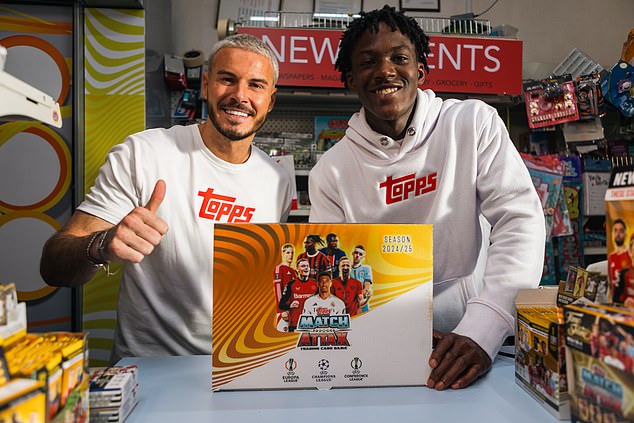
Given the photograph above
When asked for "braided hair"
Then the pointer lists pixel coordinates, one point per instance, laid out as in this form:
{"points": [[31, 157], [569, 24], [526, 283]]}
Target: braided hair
{"points": [[370, 21], [316, 239]]}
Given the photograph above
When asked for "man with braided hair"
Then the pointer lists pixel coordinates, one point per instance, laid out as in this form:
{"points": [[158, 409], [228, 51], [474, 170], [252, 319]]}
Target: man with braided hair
{"points": [[411, 157], [318, 261]]}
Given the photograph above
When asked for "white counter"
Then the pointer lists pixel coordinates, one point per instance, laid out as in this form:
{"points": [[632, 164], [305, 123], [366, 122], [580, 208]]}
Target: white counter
{"points": [[178, 390]]}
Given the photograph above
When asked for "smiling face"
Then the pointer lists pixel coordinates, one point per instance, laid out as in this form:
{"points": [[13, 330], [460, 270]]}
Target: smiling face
{"points": [[239, 91], [324, 285], [303, 269], [385, 74]]}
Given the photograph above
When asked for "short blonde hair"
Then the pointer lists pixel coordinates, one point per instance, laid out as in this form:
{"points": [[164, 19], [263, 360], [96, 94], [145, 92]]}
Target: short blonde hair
{"points": [[250, 43]]}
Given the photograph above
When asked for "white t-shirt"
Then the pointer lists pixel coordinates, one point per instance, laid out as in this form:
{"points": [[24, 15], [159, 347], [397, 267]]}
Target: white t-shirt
{"points": [[165, 301], [316, 305]]}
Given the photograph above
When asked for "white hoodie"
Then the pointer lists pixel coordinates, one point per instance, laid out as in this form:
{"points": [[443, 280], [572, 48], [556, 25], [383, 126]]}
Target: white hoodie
{"points": [[455, 164]]}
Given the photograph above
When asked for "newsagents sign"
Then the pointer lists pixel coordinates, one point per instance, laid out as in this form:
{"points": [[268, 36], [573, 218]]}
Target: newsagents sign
{"points": [[484, 65]]}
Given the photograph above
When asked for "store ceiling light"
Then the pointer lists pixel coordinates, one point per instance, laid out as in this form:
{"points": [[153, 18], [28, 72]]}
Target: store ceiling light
{"points": [[335, 15], [263, 19]]}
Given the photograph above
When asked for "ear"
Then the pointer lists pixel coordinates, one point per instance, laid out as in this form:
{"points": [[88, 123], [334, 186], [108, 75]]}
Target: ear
{"points": [[273, 98], [350, 81], [203, 88], [421, 73]]}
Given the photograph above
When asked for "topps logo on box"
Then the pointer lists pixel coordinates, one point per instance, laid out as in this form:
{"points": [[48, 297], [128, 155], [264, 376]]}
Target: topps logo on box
{"points": [[321, 305]]}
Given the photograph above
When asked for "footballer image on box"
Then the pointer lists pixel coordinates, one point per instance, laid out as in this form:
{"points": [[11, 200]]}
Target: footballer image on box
{"points": [[321, 305], [619, 227]]}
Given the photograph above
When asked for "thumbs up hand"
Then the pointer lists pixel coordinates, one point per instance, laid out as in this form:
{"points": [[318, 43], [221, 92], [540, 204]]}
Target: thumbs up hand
{"points": [[157, 196], [139, 232]]}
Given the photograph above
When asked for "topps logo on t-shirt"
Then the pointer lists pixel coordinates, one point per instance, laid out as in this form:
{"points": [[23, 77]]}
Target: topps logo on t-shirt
{"points": [[223, 208], [407, 186]]}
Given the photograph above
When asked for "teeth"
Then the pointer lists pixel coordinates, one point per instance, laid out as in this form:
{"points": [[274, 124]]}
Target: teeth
{"points": [[386, 91], [237, 113]]}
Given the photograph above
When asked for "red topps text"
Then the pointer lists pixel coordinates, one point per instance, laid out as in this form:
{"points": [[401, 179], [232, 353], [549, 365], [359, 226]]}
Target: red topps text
{"points": [[221, 207], [402, 188]]}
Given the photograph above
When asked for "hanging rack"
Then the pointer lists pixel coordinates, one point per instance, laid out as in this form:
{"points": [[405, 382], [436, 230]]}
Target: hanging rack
{"points": [[17, 98]]}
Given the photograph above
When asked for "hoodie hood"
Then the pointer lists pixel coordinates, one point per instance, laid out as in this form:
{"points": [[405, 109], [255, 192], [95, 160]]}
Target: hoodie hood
{"points": [[382, 147]]}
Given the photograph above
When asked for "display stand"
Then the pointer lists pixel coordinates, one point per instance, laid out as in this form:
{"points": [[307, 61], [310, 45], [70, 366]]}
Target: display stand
{"points": [[21, 99]]}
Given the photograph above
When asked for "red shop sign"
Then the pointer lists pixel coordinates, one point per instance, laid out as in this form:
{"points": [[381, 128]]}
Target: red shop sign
{"points": [[484, 65]]}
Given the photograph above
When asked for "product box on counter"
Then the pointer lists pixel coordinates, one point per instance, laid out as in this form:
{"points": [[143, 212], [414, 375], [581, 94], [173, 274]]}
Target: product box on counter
{"points": [[22, 400], [12, 315], [540, 357], [57, 360], [110, 386], [367, 322], [580, 283], [112, 393], [600, 357], [42, 376], [540, 366]]}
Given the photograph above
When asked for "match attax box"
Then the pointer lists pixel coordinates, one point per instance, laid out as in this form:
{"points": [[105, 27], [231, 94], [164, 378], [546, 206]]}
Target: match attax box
{"points": [[321, 305]]}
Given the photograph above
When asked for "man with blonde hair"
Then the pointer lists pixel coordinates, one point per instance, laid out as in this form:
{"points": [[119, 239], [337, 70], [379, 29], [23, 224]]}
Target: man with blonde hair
{"points": [[156, 199]]}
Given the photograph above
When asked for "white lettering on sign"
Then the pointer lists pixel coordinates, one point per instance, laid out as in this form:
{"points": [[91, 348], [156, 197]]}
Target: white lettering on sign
{"points": [[279, 53], [299, 51], [473, 48], [443, 52], [325, 44], [297, 48], [487, 54], [446, 56], [623, 178], [309, 49]]}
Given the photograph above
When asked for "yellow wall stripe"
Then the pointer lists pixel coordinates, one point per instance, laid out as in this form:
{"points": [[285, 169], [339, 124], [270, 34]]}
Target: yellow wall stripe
{"points": [[114, 69]]}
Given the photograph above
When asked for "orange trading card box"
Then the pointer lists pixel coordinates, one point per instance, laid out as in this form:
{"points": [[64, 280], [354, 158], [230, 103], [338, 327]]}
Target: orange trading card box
{"points": [[321, 305]]}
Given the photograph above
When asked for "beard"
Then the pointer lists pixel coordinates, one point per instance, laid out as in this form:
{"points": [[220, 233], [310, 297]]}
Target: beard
{"points": [[234, 133], [619, 242]]}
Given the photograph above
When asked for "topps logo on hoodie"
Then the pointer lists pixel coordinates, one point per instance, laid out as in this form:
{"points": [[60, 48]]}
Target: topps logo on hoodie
{"points": [[400, 189]]}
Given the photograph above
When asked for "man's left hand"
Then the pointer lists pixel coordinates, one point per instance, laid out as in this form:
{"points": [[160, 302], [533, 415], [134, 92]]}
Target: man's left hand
{"points": [[456, 362]]}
